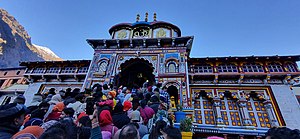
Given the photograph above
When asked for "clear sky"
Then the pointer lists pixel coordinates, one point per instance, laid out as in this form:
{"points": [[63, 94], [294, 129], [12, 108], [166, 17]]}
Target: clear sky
{"points": [[220, 27]]}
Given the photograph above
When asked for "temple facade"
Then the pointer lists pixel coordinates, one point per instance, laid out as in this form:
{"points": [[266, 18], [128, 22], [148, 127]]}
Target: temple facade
{"points": [[229, 96]]}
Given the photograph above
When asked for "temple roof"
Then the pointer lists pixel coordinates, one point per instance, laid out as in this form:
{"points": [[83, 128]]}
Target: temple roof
{"points": [[144, 23], [57, 63], [246, 58]]}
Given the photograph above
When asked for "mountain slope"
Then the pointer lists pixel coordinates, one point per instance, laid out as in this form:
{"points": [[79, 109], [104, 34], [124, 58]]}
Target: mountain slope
{"points": [[16, 46]]}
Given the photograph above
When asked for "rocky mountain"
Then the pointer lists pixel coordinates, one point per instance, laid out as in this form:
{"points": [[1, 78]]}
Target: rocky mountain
{"points": [[16, 46]]}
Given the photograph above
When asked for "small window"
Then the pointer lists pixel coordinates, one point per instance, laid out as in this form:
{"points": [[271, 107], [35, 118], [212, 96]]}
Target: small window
{"points": [[83, 70], [227, 68], [205, 68], [38, 70], [252, 67], [5, 73], [18, 72], [53, 70], [275, 67], [69, 70], [291, 67]]}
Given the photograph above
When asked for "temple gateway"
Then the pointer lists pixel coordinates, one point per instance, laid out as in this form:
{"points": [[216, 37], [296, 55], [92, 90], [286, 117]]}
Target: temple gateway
{"points": [[228, 96]]}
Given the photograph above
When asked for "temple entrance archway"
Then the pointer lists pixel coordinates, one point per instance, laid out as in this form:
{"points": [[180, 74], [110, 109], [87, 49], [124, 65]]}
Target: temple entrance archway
{"points": [[135, 71], [173, 91]]}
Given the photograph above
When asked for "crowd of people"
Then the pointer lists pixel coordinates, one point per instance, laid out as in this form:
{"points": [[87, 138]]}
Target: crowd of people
{"points": [[97, 113]]}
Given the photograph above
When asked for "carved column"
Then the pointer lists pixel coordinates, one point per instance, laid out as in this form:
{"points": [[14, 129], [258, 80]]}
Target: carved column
{"points": [[217, 106], [244, 112], [271, 113]]}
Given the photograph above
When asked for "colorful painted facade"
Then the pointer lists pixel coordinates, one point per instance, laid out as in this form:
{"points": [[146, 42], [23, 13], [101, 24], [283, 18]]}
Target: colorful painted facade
{"points": [[235, 97]]}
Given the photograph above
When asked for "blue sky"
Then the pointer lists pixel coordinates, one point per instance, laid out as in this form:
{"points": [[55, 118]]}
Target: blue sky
{"points": [[220, 27]]}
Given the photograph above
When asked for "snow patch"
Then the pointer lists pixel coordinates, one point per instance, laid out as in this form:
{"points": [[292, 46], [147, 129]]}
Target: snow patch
{"points": [[45, 50]]}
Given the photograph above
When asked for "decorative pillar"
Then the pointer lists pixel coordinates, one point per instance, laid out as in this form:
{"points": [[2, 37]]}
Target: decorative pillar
{"points": [[217, 106], [271, 113], [244, 111]]}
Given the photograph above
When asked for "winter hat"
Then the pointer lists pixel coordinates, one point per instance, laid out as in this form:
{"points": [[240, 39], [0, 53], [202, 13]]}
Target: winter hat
{"points": [[33, 122], [80, 116], [55, 99], [29, 132], [135, 115], [10, 110], [20, 99], [59, 106], [127, 105], [112, 93]]}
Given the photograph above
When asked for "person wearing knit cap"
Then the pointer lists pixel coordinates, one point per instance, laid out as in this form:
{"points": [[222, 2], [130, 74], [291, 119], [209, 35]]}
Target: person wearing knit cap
{"points": [[56, 111], [136, 118], [111, 95], [30, 132], [11, 118], [55, 99], [33, 122]]}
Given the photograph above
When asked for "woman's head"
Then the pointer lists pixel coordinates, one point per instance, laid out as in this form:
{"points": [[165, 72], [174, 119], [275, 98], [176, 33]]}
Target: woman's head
{"points": [[129, 131]]}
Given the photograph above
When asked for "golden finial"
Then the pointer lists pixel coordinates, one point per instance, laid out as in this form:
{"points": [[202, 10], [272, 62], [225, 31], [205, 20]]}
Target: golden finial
{"points": [[146, 17], [154, 17], [137, 17]]}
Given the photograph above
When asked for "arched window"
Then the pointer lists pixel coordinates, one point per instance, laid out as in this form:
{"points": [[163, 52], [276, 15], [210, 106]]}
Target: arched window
{"points": [[291, 67], [171, 67], [204, 113], [227, 68], [275, 67], [253, 67], [102, 66], [205, 68], [257, 113]]}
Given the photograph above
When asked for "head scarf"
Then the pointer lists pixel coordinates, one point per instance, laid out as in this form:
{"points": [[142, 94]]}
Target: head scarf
{"points": [[59, 106], [30, 131], [105, 118]]}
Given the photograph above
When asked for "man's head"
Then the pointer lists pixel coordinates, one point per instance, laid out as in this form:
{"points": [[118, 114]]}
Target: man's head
{"points": [[67, 112], [62, 93], [20, 99], [12, 115], [165, 89], [282, 133], [128, 90], [171, 133], [105, 87], [79, 97]]}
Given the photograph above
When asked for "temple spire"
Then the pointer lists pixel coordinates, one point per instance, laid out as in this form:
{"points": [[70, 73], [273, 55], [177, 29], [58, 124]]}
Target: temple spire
{"points": [[137, 17], [154, 17], [146, 17]]}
